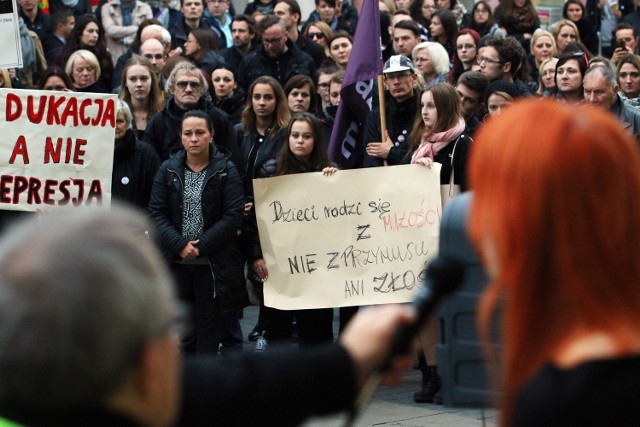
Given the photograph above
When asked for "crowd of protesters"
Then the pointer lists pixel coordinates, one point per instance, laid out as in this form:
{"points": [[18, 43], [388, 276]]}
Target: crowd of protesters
{"points": [[223, 97]]}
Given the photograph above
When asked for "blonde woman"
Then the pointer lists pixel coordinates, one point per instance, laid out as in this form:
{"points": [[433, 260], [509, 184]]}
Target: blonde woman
{"points": [[83, 68], [564, 32]]}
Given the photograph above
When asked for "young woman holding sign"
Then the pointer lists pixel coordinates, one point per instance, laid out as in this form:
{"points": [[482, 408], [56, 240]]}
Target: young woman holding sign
{"points": [[260, 135], [304, 151], [439, 135]]}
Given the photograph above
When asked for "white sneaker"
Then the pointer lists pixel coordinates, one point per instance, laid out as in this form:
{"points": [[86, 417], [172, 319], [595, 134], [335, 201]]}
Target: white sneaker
{"points": [[261, 343]]}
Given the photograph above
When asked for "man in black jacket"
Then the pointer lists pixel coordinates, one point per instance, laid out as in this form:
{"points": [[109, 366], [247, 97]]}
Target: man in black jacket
{"points": [[401, 109], [243, 30], [277, 57], [188, 91]]}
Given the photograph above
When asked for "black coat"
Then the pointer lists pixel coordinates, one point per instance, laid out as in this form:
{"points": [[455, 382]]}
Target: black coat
{"points": [[222, 202], [400, 117], [135, 164], [258, 160], [278, 388], [293, 62], [266, 151], [163, 130]]}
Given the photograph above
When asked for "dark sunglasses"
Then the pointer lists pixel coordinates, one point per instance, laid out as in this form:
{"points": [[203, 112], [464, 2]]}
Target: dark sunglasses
{"points": [[316, 35], [183, 84]]}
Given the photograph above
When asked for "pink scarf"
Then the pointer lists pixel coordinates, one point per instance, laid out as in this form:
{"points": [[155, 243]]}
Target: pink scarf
{"points": [[431, 146]]}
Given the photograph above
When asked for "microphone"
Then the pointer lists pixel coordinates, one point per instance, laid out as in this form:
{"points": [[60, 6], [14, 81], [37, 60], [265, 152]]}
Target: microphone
{"points": [[444, 275]]}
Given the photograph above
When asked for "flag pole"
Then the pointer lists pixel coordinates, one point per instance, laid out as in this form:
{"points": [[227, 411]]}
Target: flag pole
{"points": [[383, 111]]}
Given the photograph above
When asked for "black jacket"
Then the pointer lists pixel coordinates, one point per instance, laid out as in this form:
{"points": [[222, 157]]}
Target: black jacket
{"points": [[222, 202], [163, 130], [179, 30], [135, 164], [400, 117], [314, 50], [258, 160], [255, 154], [282, 388], [256, 63]]}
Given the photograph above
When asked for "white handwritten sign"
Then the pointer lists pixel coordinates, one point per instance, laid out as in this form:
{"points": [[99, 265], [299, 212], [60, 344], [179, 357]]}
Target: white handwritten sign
{"points": [[56, 149], [358, 237]]}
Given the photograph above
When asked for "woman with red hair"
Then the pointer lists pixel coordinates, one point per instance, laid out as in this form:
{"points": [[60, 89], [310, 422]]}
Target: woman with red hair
{"points": [[465, 54], [556, 218]]}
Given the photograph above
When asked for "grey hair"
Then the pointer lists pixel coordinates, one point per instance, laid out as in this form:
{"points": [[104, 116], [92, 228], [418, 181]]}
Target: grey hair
{"points": [[122, 106], [439, 55], [185, 66], [606, 72], [82, 291]]}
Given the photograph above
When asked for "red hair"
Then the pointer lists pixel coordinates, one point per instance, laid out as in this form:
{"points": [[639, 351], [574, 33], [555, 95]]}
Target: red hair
{"points": [[556, 207]]}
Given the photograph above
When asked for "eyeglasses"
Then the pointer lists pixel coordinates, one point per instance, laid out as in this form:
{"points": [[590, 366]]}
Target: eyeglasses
{"points": [[316, 35], [397, 76], [272, 41], [482, 59], [465, 46], [156, 56], [182, 84]]}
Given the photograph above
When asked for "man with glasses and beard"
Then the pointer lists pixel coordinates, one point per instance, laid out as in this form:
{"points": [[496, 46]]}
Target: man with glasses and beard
{"points": [[278, 56]]}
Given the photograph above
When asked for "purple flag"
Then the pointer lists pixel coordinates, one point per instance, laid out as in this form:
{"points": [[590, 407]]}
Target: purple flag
{"points": [[356, 95]]}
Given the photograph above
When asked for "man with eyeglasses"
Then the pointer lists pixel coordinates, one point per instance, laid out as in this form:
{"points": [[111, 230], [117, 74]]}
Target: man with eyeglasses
{"points": [[149, 32], [243, 30], [186, 88], [324, 76], [501, 58], [277, 56], [289, 12], [89, 327], [401, 103], [219, 17]]}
